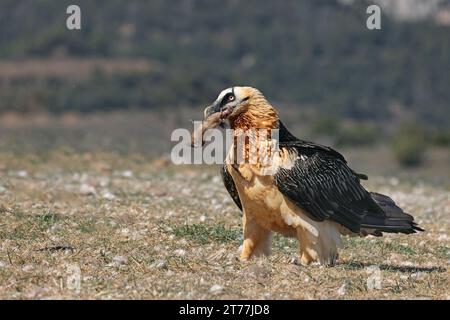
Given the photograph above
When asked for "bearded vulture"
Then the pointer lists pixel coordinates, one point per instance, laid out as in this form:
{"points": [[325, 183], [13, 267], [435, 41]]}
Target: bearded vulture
{"points": [[306, 190]]}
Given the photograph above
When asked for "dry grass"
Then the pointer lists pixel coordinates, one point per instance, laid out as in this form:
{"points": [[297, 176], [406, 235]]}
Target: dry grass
{"points": [[140, 229]]}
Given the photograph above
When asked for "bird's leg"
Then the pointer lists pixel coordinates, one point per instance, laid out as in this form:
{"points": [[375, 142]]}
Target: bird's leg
{"points": [[257, 240], [323, 247], [330, 240], [307, 247]]}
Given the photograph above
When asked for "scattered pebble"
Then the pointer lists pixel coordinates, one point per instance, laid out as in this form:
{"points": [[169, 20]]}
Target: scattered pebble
{"points": [[108, 195], [160, 264], [216, 289], [342, 290], [407, 263], [27, 268], [418, 275], [170, 213], [120, 260], [2, 189], [87, 190], [180, 252], [125, 232], [22, 174], [104, 182], [186, 191], [127, 174]]}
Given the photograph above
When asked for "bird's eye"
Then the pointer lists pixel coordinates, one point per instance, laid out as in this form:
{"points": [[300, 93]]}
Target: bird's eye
{"points": [[231, 98]]}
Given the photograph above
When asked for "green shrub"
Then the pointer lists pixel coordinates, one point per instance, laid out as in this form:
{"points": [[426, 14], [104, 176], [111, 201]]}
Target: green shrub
{"points": [[409, 144], [325, 125], [441, 138], [357, 135]]}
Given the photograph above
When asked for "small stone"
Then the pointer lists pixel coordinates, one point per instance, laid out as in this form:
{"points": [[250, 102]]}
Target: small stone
{"points": [[2, 189], [170, 213], [108, 195], [127, 174], [160, 264], [125, 232], [27, 268], [180, 252], [22, 174], [87, 190], [342, 290], [418, 275], [202, 217], [216, 289], [104, 182], [119, 260]]}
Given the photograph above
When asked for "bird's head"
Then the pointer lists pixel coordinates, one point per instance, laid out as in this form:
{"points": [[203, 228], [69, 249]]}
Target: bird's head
{"points": [[243, 107]]}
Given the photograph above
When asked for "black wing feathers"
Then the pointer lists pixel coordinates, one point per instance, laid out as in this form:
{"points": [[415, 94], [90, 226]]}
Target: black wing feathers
{"points": [[395, 219], [231, 187], [321, 183], [325, 188]]}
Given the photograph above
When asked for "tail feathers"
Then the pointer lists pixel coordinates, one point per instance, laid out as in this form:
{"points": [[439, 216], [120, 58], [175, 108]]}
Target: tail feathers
{"points": [[394, 220]]}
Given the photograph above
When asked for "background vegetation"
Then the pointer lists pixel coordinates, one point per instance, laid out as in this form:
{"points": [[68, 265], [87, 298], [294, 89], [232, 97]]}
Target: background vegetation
{"points": [[315, 60], [308, 53]]}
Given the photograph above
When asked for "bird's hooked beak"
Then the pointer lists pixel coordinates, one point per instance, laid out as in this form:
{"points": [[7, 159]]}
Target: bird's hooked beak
{"points": [[216, 107], [216, 112]]}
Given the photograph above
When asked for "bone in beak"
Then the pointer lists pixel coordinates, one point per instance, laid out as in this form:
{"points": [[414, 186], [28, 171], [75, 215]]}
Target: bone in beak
{"points": [[210, 122]]}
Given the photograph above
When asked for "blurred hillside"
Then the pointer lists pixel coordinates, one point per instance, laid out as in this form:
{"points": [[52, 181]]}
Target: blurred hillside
{"points": [[153, 54]]}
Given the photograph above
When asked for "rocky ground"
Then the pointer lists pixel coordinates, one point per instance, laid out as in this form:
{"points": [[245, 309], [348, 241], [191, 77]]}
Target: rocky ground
{"points": [[103, 226]]}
